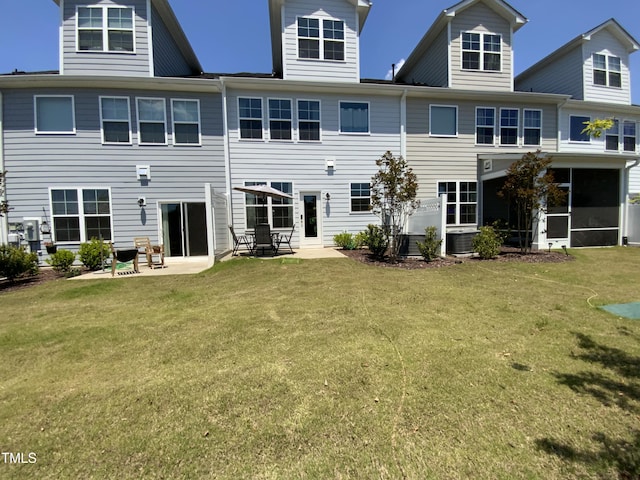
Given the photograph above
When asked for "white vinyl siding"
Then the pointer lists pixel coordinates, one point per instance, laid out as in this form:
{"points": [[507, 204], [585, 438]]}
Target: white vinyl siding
{"points": [[618, 84], [54, 114]]}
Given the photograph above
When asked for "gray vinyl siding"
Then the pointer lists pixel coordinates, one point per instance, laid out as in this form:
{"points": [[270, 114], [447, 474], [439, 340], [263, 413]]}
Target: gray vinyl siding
{"points": [[106, 63], [480, 18], [432, 68], [303, 163], [605, 43], [563, 76], [436, 159], [167, 59], [178, 173], [327, 70], [634, 181]]}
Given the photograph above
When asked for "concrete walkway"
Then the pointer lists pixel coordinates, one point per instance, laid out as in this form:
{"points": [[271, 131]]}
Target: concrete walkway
{"points": [[191, 265]]}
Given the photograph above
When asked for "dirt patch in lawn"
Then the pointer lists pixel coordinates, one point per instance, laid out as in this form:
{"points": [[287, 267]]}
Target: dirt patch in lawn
{"points": [[415, 263]]}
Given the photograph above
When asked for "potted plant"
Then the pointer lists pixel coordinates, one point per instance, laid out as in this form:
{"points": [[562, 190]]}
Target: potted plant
{"points": [[51, 248]]}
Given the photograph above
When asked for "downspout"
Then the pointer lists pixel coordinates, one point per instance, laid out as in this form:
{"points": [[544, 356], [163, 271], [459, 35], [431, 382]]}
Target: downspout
{"points": [[4, 220], [403, 124], [625, 198], [227, 155]]}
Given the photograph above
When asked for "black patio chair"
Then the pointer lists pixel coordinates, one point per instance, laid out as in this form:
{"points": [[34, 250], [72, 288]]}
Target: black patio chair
{"points": [[124, 256], [287, 238], [240, 240], [264, 239]]}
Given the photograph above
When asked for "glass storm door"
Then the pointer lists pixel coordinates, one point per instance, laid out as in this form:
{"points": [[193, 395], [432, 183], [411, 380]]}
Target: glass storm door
{"points": [[310, 219], [184, 229]]}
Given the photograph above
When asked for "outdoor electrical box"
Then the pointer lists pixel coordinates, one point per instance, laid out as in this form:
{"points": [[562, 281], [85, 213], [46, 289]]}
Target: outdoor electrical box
{"points": [[31, 230]]}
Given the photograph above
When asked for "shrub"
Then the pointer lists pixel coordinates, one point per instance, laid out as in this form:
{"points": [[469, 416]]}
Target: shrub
{"points": [[376, 240], [15, 262], [431, 245], [93, 254], [345, 240], [487, 243], [62, 260]]}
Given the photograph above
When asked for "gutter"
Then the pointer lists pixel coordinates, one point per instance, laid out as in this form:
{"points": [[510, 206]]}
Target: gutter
{"points": [[227, 154], [4, 220], [403, 124]]}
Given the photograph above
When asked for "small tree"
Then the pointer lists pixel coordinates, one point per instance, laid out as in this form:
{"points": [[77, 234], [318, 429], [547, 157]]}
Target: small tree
{"points": [[530, 186], [393, 197], [594, 128], [4, 205]]}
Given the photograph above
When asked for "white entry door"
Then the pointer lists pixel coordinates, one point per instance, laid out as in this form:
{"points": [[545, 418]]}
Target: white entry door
{"points": [[310, 219]]}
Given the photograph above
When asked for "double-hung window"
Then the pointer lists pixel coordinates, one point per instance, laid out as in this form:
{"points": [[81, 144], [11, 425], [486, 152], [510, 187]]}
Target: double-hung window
{"points": [[326, 43], [481, 51], [443, 121], [576, 129], [509, 126], [354, 117], [629, 136], [462, 199], [612, 137], [532, 126], [607, 70], [277, 212], [116, 119], [105, 29], [280, 119], [309, 120], [186, 121], [80, 214], [152, 121], [360, 197], [485, 125], [54, 114], [250, 117]]}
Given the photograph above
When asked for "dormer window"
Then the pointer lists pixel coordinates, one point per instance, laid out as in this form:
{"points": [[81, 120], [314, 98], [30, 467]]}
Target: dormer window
{"points": [[105, 29], [326, 43], [481, 51], [606, 70]]}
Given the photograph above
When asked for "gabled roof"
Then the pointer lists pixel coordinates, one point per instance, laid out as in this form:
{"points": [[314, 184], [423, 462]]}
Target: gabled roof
{"points": [[175, 29], [515, 18], [275, 9], [624, 37]]}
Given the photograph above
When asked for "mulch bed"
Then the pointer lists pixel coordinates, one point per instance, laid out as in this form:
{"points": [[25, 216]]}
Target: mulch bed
{"points": [[415, 263], [44, 275]]}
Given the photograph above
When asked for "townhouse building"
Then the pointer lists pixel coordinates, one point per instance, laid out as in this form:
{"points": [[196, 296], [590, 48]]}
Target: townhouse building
{"points": [[131, 138]]}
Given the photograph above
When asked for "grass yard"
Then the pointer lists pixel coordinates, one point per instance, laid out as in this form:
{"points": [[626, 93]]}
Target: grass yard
{"points": [[327, 369]]}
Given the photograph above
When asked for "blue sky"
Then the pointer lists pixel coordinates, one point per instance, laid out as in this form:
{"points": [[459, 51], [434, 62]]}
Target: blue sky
{"points": [[233, 36]]}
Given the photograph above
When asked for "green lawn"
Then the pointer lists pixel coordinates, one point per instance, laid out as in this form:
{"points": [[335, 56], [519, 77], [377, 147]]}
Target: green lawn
{"points": [[327, 369]]}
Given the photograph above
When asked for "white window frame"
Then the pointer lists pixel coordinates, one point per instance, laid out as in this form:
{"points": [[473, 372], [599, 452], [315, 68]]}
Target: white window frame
{"points": [[608, 70], [318, 122], [368, 104], [486, 126], [613, 132], [141, 121], [270, 119], [321, 39], [510, 127], [103, 120], [268, 203], [442, 135], [174, 122], [261, 118], [571, 121], [458, 202], [54, 132], [481, 52], [105, 28], [525, 127], [635, 136], [81, 215], [352, 197]]}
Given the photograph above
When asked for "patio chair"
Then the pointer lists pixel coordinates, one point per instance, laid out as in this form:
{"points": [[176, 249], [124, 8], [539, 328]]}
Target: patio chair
{"points": [[287, 238], [240, 240], [264, 239], [124, 256], [154, 253]]}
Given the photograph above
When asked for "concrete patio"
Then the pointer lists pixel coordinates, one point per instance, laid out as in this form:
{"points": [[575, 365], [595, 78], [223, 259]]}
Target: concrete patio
{"points": [[191, 265]]}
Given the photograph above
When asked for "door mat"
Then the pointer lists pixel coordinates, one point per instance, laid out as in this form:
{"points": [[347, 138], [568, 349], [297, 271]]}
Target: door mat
{"points": [[626, 310]]}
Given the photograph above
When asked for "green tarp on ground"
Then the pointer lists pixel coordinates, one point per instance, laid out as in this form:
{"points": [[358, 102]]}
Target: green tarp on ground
{"points": [[626, 310]]}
